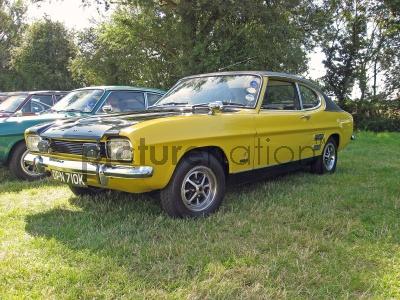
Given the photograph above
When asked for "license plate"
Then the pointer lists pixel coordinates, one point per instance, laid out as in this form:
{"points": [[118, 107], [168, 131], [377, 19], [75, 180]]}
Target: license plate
{"points": [[69, 178]]}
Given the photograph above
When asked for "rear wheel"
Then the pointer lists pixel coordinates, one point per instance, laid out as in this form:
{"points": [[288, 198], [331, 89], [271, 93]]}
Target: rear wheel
{"points": [[326, 163], [197, 187], [19, 168]]}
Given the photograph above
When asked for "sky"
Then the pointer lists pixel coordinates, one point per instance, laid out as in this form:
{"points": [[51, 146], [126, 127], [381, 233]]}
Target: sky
{"points": [[70, 12]]}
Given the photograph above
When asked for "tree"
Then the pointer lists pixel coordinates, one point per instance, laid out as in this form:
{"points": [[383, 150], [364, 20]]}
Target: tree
{"points": [[341, 41], [42, 60], [390, 60], [156, 42], [11, 28]]}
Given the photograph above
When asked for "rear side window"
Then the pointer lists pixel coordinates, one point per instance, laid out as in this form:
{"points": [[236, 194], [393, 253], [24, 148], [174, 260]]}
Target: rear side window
{"points": [[309, 98], [43, 99], [152, 98], [281, 95], [38, 103], [59, 97], [125, 101]]}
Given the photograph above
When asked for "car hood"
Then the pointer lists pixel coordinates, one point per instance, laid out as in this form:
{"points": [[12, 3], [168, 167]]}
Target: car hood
{"points": [[4, 114], [94, 128]]}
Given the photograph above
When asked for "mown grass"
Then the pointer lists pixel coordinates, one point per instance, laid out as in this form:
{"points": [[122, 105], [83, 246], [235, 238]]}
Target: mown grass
{"points": [[295, 236]]}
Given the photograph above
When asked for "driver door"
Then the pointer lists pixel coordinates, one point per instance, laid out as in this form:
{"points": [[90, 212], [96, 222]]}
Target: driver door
{"points": [[282, 126]]}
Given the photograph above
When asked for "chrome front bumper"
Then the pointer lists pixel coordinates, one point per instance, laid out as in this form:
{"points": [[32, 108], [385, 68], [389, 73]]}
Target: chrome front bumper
{"points": [[103, 172]]}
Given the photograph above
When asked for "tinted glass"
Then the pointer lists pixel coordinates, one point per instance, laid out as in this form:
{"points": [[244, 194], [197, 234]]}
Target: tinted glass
{"points": [[12, 103], [125, 101], [309, 98], [234, 89], [38, 103], [45, 99], [281, 95], [59, 97], [81, 100], [152, 98]]}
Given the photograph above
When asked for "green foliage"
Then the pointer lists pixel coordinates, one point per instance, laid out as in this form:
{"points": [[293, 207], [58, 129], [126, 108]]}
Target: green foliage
{"points": [[11, 28], [341, 42], [375, 114], [43, 57], [157, 42]]}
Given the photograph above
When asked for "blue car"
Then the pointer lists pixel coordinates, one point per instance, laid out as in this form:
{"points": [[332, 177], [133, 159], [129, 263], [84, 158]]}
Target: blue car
{"points": [[77, 104]]}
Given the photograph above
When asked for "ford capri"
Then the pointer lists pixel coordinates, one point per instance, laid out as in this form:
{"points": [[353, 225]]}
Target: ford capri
{"points": [[204, 129], [76, 104]]}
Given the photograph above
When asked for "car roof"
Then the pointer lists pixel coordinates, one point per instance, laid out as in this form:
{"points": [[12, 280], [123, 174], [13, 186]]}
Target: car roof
{"points": [[123, 88], [33, 92], [262, 73]]}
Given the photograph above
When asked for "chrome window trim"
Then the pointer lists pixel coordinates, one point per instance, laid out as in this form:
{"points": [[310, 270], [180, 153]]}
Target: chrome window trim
{"points": [[297, 83], [154, 93], [283, 110], [316, 92]]}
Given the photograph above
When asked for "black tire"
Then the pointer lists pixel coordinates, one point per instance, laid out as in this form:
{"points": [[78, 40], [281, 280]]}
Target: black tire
{"points": [[209, 173], [321, 164], [85, 191], [17, 166]]}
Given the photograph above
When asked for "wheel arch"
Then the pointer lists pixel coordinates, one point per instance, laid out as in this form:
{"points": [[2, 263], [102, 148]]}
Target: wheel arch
{"points": [[336, 138], [215, 151], [12, 149]]}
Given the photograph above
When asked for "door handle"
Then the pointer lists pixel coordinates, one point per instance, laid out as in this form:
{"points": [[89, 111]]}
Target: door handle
{"points": [[307, 117]]}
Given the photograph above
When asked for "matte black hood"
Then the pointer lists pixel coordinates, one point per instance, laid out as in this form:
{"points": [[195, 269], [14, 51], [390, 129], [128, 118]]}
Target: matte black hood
{"points": [[94, 128]]}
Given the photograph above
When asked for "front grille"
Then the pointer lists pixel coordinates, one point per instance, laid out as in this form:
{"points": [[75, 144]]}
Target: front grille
{"points": [[73, 147]]}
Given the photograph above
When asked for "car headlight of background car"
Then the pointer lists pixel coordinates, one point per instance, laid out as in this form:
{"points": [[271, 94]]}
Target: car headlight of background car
{"points": [[32, 142], [119, 149]]}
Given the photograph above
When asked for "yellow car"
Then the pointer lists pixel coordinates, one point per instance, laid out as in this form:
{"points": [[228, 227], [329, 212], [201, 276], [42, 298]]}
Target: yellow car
{"points": [[204, 129]]}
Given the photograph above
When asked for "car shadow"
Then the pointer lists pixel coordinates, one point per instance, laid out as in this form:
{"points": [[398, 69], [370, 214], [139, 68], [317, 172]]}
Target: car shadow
{"points": [[10, 184], [127, 214]]}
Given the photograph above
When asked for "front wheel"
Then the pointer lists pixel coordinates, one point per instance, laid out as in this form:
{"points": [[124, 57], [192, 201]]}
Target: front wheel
{"points": [[326, 163], [21, 169], [196, 189]]}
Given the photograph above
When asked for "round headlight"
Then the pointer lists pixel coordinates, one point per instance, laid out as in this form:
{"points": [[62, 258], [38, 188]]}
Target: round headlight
{"points": [[120, 150], [32, 142]]}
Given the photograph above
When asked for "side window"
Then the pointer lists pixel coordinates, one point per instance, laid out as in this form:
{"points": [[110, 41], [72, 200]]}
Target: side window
{"points": [[281, 95], [38, 103], [44, 99], [152, 98], [309, 98], [37, 107], [124, 101], [58, 97]]}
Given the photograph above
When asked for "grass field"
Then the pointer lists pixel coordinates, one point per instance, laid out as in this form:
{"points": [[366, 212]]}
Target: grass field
{"points": [[295, 236]]}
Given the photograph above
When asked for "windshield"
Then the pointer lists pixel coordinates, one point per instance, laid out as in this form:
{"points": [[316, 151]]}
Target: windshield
{"points": [[81, 101], [241, 90], [11, 103]]}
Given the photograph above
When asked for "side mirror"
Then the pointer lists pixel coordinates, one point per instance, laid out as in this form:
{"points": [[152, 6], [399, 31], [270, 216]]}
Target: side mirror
{"points": [[19, 113], [107, 109]]}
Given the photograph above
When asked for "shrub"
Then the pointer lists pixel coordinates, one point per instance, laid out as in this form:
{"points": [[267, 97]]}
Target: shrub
{"points": [[375, 114]]}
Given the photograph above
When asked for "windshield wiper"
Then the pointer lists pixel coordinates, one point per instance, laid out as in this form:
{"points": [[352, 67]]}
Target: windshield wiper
{"points": [[169, 104], [233, 104], [69, 110]]}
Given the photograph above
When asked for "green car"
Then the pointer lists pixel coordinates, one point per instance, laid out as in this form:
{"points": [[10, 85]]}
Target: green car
{"points": [[77, 104]]}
